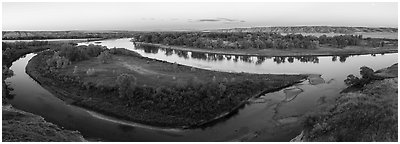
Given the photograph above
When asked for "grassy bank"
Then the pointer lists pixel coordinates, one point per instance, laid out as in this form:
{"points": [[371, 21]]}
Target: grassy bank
{"points": [[367, 114], [320, 51], [20, 126], [164, 94]]}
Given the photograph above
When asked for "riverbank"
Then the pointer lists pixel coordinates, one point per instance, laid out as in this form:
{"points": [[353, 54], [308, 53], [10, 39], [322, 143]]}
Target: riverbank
{"points": [[367, 114], [320, 51], [165, 94], [21, 126]]}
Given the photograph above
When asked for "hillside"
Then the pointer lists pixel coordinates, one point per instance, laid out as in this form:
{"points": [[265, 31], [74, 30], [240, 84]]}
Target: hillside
{"points": [[310, 29], [368, 114]]}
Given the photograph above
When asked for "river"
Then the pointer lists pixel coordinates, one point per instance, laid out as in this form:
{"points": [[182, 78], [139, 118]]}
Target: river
{"points": [[272, 117]]}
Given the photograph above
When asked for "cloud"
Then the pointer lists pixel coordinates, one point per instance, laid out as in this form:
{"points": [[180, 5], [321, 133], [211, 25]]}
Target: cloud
{"points": [[208, 20], [223, 20]]}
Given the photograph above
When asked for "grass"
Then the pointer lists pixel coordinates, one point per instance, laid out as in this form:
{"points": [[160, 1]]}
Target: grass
{"points": [[20, 126], [151, 73]]}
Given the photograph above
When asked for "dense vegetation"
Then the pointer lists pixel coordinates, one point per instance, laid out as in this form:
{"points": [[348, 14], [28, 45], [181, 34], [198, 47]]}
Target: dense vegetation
{"points": [[175, 102], [215, 40], [367, 75], [13, 51]]}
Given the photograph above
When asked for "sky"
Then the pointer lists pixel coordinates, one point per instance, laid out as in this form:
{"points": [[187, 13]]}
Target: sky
{"points": [[192, 16]]}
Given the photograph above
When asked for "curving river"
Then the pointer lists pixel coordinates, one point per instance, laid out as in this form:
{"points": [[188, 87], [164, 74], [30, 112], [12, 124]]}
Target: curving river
{"points": [[271, 117]]}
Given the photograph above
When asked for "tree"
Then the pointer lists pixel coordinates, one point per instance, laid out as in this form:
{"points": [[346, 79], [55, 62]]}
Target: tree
{"points": [[366, 72], [57, 61], [367, 75], [105, 57], [126, 84], [351, 80], [259, 44], [7, 72], [62, 62]]}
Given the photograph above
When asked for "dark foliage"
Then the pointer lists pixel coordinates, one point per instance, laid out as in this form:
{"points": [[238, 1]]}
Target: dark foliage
{"points": [[367, 75], [258, 40], [13, 51]]}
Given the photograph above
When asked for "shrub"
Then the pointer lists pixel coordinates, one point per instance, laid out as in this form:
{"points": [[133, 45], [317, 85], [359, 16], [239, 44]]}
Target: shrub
{"points": [[351, 80], [90, 71], [367, 75], [366, 72]]}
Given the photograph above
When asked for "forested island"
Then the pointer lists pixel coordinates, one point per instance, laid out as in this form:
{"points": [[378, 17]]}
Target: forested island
{"points": [[267, 44]]}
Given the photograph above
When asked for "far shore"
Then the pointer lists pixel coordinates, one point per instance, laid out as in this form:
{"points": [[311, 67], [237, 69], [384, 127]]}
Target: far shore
{"points": [[320, 51]]}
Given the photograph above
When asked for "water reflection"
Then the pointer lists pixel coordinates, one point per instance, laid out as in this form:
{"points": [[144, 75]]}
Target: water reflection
{"points": [[343, 58], [183, 54], [200, 56], [169, 52], [257, 60], [260, 60], [150, 49]]}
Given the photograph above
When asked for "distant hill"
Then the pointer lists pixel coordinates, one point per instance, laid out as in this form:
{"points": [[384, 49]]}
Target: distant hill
{"points": [[310, 29], [62, 34]]}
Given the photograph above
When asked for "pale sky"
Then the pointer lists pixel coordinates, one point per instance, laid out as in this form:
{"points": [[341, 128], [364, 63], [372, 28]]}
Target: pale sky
{"points": [[192, 16]]}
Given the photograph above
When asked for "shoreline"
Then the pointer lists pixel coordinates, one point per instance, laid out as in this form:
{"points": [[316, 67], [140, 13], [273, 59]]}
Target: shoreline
{"points": [[239, 106], [72, 99], [284, 53]]}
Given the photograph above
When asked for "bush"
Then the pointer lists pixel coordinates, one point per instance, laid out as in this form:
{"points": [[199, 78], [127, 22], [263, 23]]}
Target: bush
{"points": [[367, 75], [366, 72], [351, 80], [90, 71]]}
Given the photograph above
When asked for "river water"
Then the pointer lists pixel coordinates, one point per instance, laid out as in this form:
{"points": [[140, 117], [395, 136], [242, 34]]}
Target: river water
{"points": [[272, 117]]}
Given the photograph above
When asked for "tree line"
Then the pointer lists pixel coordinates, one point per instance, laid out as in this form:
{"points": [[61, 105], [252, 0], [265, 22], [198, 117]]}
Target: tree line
{"points": [[258, 40]]}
